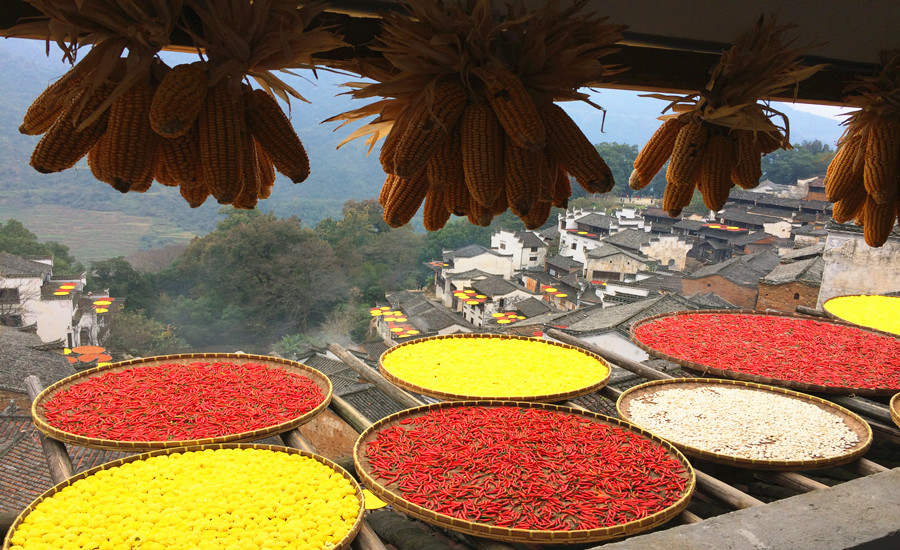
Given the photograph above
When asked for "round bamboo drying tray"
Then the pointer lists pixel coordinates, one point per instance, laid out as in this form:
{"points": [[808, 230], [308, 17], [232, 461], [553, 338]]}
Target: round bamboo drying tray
{"points": [[895, 409], [40, 420], [859, 426], [391, 494], [342, 544], [736, 375], [864, 322], [438, 393]]}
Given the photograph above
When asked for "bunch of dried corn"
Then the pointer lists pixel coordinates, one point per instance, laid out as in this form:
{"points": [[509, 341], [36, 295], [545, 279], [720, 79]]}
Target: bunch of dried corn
{"points": [[195, 126], [863, 178], [469, 121], [717, 138]]}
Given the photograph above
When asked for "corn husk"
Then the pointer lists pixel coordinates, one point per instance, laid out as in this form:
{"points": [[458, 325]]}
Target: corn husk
{"points": [[760, 65], [555, 49], [137, 29]]}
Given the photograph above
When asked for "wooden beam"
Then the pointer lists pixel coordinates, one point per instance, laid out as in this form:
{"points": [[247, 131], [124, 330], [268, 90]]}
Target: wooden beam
{"points": [[865, 408], [866, 467], [655, 63], [55, 453], [620, 361], [375, 377], [724, 492], [350, 414], [791, 480]]}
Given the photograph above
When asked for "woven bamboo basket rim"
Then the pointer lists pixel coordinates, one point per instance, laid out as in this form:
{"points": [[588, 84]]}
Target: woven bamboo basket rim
{"points": [[508, 534], [895, 409], [340, 545], [545, 398], [735, 375], [853, 421], [40, 421], [860, 325]]}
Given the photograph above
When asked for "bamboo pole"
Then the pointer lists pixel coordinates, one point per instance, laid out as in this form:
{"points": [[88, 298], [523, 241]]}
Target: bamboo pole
{"points": [[791, 480], [865, 408], [618, 360], [865, 467], [688, 518], [55, 453], [349, 414], [724, 492], [375, 377]]}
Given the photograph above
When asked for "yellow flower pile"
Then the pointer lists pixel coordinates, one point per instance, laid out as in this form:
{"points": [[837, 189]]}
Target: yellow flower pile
{"points": [[494, 367], [877, 312], [225, 499]]}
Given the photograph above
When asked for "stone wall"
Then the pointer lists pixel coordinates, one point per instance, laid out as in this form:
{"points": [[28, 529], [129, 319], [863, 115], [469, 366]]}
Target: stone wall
{"points": [[853, 267], [787, 296], [738, 295]]}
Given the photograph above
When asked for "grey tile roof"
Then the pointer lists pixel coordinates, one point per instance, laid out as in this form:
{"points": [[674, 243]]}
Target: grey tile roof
{"points": [[541, 277], [851, 227], [820, 206], [471, 251], [711, 300], [690, 225], [807, 271], [19, 358], [595, 219], [630, 239], [470, 274], [550, 233], [809, 229], [656, 213], [25, 474], [494, 286], [372, 403], [745, 218], [437, 319], [598, 319], [11, 265], [326, 365], [805, 252], [748, 238], [607, 250], [375, 349], [742, 270], [530, 240], [532, 307], [564, 262]]}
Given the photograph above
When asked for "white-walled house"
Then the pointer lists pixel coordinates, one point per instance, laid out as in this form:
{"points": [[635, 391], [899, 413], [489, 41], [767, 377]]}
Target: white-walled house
{"points": [[527, 249], [491, 295], [31, 295], [669, 250], [462, 266], [610, 263]]}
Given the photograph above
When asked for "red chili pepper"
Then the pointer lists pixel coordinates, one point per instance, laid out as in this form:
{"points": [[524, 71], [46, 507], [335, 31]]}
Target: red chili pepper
{"points": [[505, 466], [172, 401]]}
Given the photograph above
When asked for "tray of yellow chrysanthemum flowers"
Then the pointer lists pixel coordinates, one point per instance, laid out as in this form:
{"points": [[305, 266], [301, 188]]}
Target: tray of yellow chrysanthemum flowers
{"points": [[208, 496], [881, 313], [494, 366]]}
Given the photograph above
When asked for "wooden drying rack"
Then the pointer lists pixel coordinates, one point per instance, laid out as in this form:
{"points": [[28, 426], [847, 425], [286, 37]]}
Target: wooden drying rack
{"points": [[878, 417]]}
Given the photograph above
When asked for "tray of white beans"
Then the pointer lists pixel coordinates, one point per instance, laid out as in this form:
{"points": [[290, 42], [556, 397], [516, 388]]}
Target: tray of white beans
{"points": [[746, 424]]}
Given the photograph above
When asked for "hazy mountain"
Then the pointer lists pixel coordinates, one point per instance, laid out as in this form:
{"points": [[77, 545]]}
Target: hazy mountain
{"points": [[336, 175]]}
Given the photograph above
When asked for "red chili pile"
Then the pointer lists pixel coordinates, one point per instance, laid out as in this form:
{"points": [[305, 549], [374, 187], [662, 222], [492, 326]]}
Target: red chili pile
{"points": [[783, 348], [182, 402], [526, 468]]}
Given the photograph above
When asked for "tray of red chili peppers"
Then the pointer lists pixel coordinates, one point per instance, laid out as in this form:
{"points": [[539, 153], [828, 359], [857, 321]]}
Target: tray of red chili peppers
{"points": [[524, 472], [792, 351], [177, 400]]}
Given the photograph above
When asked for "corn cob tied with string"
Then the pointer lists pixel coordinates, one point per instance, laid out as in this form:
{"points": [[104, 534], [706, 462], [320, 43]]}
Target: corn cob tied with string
{"points": [[715, 139], [487, 146], [863, 177]]}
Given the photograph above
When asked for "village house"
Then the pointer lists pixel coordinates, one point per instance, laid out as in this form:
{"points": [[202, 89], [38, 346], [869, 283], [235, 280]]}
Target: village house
{"points": [[611, 263], [420, 315], [815, 188], [669, 250], [55, 304], [853, 267], [580, 232], [659, 220], [526, 248], [754, 222], [559, 266], [460, 267], [491, 295], [809, 234], [735, 280], [792, 283]]}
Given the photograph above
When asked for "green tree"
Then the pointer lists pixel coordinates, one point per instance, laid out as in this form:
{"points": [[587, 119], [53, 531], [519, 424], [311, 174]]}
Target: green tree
{"points": [[805, 160], [620, 159], [122, 280], [16, 239], [139, 336], [251, 281]]}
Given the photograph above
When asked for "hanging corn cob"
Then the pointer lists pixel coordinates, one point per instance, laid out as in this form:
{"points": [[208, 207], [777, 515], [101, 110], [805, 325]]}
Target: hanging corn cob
{"points": [[118, 110], [74, 112], [863, 178], [468, 104], [716, 139]]}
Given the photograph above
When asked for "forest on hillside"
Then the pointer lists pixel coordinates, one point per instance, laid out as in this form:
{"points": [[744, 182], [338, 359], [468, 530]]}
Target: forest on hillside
{"points": [[259, 282]]}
